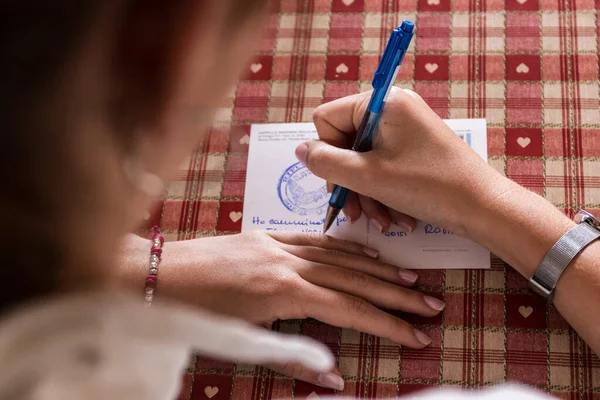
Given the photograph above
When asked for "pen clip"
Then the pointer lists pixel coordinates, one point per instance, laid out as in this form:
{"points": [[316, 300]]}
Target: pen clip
{"points": [[385, 65], [394, 53]]}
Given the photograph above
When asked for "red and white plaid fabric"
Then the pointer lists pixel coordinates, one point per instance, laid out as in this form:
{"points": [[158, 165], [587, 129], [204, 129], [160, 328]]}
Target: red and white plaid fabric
{"points": [[530, 67]]}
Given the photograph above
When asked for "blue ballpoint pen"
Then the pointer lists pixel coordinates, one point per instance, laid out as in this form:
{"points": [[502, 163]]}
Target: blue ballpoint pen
{"points": [[382, 84]]}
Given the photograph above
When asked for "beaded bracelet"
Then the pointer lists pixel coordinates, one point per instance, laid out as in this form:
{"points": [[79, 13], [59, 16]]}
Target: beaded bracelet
{"points": [[155, 253]]}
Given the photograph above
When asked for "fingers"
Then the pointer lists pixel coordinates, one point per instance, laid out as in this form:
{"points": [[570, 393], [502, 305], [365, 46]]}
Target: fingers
{"points": [[352, 209], [405, 222], [359, 263], [337, 119], [378, 215], [323, 241], [332, 379], [374, 290], [348, 168], [346, 311], [416, 96]]}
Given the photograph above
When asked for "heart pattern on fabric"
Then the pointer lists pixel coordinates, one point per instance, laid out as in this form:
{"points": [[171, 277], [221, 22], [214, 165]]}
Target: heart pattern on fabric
{"points": [[235, 216], [431, 67], [255, 67], [523, 141], [211, 391], [347, 2], [342, 69], [245, 139], [521, 1], [525, 311], [522, 68]]}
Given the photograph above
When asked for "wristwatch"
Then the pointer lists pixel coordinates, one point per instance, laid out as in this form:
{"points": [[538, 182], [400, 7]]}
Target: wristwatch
{"points": [[563, 252]]}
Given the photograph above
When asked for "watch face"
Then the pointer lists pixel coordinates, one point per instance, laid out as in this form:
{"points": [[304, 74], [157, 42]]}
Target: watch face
{"points": [[584, 216]]}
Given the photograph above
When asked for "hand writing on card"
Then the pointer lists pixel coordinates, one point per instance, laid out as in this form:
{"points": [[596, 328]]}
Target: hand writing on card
{"points": [[418, 166]]}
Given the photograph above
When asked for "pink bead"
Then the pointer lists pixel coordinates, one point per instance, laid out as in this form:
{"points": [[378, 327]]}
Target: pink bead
{"points": [[157, 234], [151, 281], [155, 252], [160, 238]]}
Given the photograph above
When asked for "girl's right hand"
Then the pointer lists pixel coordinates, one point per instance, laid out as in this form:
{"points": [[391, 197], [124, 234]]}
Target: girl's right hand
{"points": [[418, 165]]}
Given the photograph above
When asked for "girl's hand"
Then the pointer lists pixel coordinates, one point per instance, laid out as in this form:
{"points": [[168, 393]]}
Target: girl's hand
{"points": [[418, 166], [265, 276]]}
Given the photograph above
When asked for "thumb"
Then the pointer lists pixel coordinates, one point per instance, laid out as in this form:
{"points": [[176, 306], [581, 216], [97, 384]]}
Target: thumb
{"points": [[343, 167]]}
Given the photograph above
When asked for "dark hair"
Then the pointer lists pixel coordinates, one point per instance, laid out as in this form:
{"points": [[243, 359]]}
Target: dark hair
{"points": [[37, 40]]}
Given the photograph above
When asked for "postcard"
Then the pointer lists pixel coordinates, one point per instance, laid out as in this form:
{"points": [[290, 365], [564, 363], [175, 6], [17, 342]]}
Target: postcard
{"points": [[282, 194]]}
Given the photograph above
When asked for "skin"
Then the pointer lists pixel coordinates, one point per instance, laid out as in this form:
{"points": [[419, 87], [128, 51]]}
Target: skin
{"points": [[444, 182], [273, 276]]}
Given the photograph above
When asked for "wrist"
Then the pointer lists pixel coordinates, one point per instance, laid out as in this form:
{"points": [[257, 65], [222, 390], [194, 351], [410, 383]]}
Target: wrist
{"points": [[133, 262], [517, 225]]}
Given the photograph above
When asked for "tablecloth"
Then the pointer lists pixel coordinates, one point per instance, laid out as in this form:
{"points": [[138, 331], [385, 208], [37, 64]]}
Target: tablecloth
{"points": [[530, 67]]}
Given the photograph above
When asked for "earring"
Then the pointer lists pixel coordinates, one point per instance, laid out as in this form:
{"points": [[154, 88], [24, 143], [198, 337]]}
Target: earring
{"points": [[144, 181]]}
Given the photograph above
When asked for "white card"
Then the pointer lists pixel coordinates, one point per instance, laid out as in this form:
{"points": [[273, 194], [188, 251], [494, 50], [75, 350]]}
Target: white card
{"points": [[282, 194]]}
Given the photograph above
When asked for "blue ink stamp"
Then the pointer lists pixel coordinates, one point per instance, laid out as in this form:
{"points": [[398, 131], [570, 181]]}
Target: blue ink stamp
{"points": [[301, 192]]}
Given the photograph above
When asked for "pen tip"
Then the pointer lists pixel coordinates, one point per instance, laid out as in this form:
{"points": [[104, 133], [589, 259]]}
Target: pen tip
{"points": [[331, 215]]}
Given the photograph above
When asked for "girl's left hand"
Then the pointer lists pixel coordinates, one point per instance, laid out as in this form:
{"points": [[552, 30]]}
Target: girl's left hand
{"points": [[265, 276]]}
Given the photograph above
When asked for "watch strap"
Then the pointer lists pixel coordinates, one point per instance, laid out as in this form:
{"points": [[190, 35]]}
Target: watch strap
{"points": [[560, 256]]}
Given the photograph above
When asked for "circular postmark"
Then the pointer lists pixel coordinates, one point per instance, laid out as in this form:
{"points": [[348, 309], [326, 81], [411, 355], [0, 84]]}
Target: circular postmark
{"points": [[301, 192]]}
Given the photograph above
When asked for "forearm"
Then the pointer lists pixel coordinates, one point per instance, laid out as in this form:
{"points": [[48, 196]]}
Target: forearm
{"points": [[520, 227], [133, 262], [517, 225]]}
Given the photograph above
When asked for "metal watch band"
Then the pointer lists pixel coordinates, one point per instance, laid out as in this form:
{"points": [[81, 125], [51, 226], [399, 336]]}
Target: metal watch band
{"points": [[560, 256]]}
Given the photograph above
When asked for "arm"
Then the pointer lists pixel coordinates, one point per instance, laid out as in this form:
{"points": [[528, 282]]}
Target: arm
{"points": [[419, 167], [520, 227], [133, 263]]}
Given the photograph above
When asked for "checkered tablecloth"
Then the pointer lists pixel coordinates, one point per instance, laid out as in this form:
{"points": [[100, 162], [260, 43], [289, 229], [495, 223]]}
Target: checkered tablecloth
{"points": [[530, 67]]}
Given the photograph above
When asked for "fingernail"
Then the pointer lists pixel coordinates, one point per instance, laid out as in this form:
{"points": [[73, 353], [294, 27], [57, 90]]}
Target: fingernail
{"points": [[407, 275], [377, 225], [405, 227], [301, 152], [331, 380], [422, 337], [371, 252], [434, 303]]}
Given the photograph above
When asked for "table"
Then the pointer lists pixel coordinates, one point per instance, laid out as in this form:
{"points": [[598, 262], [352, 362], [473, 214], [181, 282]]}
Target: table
{"points": [[530, 67]]}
